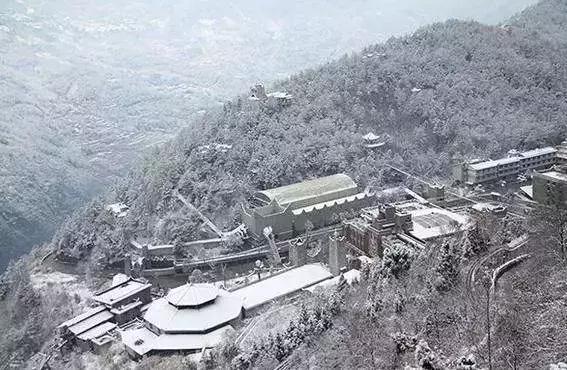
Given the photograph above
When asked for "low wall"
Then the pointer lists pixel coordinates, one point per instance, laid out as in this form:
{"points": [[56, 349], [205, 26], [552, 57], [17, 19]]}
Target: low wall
{"points": [[206, 243]]}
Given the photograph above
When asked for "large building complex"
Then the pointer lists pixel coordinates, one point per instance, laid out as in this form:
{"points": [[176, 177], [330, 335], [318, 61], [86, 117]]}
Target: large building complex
{"points": [[288, 209], [517, 163]]}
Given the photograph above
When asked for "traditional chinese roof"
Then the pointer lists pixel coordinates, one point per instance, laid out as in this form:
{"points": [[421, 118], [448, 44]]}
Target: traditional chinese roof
{"points": [[192, 295], [193, 308]]}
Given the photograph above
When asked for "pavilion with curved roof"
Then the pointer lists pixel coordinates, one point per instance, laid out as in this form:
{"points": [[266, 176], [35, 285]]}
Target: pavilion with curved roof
{"points": [[193, 308], [189, 318]]}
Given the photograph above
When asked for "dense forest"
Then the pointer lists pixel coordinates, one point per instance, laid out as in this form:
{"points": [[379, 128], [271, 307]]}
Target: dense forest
{"points": [[449, 91]]}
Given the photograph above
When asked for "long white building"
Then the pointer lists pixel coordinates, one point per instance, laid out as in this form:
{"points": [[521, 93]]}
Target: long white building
{"points": [[517, 163]]}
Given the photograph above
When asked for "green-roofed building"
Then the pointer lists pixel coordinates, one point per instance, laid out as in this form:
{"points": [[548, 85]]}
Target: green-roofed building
{"points": [[288, 209]]}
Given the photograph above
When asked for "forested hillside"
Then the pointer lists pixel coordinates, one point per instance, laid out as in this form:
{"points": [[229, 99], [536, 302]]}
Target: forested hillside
{"points": [[450, 90], [87, 88]]}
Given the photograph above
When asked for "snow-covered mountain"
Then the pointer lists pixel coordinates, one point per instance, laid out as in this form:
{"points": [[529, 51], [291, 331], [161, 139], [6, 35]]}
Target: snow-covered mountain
{"points": [[86, 88]]}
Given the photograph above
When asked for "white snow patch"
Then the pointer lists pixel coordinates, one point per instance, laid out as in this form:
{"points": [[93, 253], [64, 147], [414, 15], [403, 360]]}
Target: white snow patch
{"points": [[281, 285], [119, 279], [63, 281], [351, 277]]}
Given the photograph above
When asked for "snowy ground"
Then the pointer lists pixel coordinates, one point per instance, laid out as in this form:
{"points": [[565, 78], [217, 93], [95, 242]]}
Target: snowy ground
{"points": [[59, 280], [274, 320]]}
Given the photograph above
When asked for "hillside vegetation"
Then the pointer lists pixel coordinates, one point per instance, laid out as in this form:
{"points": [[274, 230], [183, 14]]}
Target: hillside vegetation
{"points": [[451, 90], [87, 89]]}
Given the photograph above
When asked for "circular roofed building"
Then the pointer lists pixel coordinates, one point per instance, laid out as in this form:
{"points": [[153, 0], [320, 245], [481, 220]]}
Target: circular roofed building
{"points": [[193, 309]]}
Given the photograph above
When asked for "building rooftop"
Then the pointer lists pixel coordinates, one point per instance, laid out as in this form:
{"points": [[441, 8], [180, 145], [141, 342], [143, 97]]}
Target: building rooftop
{"points": [[120, 291], [289, 194], [85, 315], [90, 322], [178, 320], [430, 223], [516, 158], [97, 331], [371, 137], [486, 207], [277, 286], [528, 190], [192, 295], [142, 340], [554, 175]]}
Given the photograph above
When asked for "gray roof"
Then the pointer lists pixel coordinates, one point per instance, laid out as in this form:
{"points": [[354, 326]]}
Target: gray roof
{"points": [[554, 175], [516, 158], [171, 319], [311, 191], [91, 322], [85, 315], [282, 284], [190, 295], [97, 331], [142, 340], [120, 291]]}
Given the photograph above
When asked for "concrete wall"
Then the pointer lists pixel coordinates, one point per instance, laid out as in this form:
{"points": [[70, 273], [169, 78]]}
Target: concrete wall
{"points": [[549, 191], [324, 216]]}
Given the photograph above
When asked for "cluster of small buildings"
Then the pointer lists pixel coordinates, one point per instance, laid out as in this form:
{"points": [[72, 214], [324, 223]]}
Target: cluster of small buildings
{"points": [[117, 305], [321, 202], [188, 319], [194, 317]]}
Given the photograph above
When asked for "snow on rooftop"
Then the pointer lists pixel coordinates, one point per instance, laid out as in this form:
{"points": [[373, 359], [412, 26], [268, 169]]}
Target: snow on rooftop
{"points": [[282, 284], [351, 277], [482, 207], [90, 322], [171, 319], [528, 190], [192, 295], [515, 158], [119, 279], [118, 209], [371, 136], [97, 331], [121, 291], [429, 223], [142, 340], [555, 175], [83, 316]]}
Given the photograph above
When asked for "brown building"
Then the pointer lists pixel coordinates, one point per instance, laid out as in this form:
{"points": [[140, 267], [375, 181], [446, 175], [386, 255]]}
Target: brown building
{"points": [[366, 232]]}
